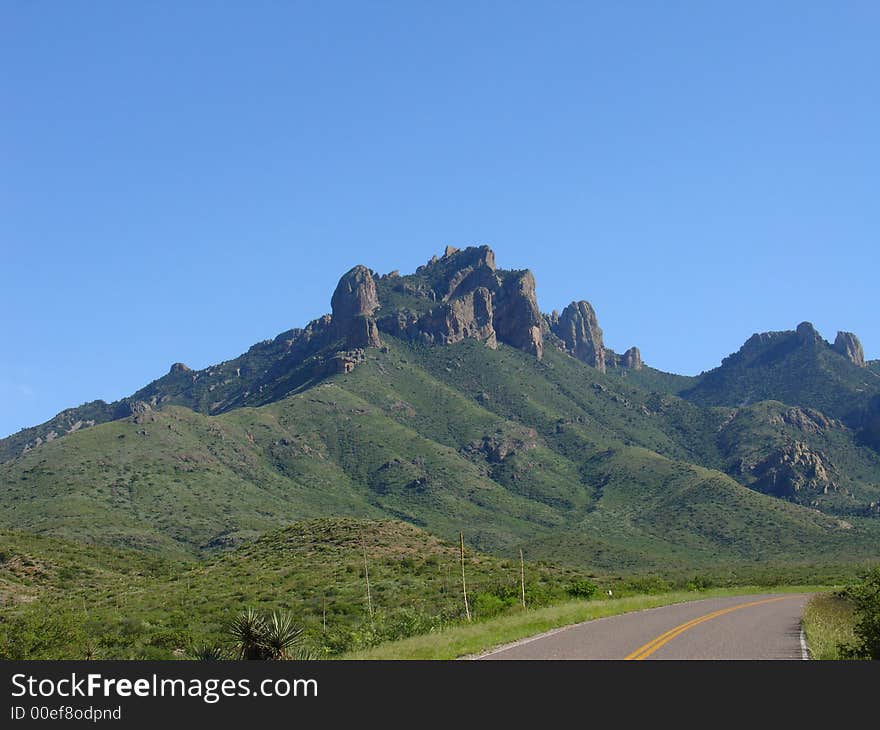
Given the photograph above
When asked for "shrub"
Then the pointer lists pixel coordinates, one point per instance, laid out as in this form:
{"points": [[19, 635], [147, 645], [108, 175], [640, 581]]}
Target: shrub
{"points": [[699, 583], [649, 584], [866, 597], [487, 605], [42, 634], [582, 589]]}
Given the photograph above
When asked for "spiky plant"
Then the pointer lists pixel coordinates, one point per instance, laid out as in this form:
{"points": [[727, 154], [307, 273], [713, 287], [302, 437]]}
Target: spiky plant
{"points": [[91, 651], [207, 653], [283, 637], [248, 634]]}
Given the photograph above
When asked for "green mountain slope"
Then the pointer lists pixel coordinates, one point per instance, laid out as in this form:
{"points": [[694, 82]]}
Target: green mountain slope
{"points": [[795, 367], [492, 442], [446, 399]]}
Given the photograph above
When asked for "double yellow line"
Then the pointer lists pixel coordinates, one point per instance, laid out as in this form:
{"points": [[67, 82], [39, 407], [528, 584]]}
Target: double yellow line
{"points": [[643, 652]]}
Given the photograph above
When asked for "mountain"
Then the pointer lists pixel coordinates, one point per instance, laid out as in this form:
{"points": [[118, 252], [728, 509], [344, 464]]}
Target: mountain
{"points": [[797, 367], [445, 398]]}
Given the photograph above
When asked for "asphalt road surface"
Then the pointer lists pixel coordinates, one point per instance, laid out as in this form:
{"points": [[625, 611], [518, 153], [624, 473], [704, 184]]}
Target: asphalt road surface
{"points": [[737, 627]]}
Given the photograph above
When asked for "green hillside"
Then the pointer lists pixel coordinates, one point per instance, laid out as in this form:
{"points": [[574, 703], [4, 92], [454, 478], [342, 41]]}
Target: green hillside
{"points": [[795, 367], [65, 600], [512, 450], [426, 405], [125, 606]]}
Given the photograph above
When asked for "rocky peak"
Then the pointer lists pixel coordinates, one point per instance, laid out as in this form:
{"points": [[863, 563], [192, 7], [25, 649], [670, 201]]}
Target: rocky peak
{"points": [[848, 345], [353, 304], [472, 256], [631, 359], [807, 334], [517, 317], [355, 294], [579, 330], [470, 299], [469, 315], [179, 367]]}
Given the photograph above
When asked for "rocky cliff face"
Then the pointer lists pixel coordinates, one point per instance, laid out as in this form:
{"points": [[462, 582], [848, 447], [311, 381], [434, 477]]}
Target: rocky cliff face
{"points": [[462, 295], [795, 470], [579, 330], [807, 334], [353, 304], [578, 333], [517, 317], [468, 315], [631, 359], [848, 345]]}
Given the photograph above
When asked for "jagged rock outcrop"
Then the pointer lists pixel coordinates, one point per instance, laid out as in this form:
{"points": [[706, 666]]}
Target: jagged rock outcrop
{"points": [[496, 447], [353, 304], [179, 367], [129, 407], [461, 295], [579, 330], [355, 294], [631, 359], [795, 470], [517, 317], [470, 315], [808, 420], [848, 345], [345, 362], [807, 334], [459, 272]]}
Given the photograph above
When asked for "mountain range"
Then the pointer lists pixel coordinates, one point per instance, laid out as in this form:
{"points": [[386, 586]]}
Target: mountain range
{"points": [[447, 399]]}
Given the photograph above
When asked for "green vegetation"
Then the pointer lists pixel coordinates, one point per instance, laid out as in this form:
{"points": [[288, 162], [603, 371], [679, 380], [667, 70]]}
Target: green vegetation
{"points": [[785, 366], [132, 607], [828, 625], [846, 624], [552, 456], [275, 637], [312, 570], [865, 598], [471, 639], [154, 526]]}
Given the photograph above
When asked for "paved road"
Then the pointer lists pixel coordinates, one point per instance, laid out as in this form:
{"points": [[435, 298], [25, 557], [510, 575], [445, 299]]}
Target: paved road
{"points": [[738, 627]]}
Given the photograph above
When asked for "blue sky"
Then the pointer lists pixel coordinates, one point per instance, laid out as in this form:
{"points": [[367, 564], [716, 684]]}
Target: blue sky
{"points": [[181, 180]]}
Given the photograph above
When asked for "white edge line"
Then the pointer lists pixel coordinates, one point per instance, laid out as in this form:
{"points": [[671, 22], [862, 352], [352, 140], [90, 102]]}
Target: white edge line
{"points": [[805, 652]]}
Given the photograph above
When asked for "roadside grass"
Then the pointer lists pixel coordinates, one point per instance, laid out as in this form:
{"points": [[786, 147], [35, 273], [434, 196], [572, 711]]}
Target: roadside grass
{"points": [[828, 622], [472, 639]]}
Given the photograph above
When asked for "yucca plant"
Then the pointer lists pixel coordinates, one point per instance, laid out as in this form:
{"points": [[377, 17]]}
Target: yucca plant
{"points": [[207, 653], [283, 636], [248, 633], [274, 638]]}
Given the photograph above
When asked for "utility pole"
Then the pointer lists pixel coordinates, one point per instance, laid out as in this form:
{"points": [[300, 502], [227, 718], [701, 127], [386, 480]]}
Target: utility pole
{"points": [[467, 610], [367, 577]]}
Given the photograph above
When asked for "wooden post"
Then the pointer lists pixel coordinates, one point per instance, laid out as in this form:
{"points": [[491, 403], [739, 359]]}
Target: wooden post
{"points": [[522, 576], [367, 577], [467, 610]]}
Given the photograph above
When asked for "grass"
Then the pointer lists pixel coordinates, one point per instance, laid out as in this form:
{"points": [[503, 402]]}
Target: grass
{"points": [[469, 639], [828, 623]]}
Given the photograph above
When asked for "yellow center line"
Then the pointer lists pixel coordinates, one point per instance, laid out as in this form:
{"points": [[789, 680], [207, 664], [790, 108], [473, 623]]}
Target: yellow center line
{"points": [[643, 652]]}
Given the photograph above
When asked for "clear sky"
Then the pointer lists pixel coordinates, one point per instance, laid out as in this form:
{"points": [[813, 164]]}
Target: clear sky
{"points": [[179, 180]]}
